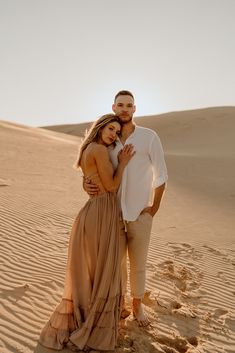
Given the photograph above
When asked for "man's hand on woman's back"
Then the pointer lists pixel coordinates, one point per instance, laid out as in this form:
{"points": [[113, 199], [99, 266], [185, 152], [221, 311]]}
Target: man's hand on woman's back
{"points": [[91, 189]]}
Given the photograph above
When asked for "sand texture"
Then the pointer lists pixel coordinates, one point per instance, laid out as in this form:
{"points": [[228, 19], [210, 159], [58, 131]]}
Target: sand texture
{"points": [[190, 295]]}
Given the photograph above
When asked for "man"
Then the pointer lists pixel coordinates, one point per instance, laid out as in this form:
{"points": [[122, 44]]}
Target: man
{"points": [[140, 194]]}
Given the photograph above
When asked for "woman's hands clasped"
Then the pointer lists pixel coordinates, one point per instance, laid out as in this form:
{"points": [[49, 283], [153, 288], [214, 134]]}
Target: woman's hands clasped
{"points": [[125, 155]]}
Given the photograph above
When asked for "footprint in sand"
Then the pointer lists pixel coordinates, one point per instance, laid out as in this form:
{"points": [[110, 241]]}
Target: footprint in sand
{"points": [[220, 315], [185, 279], [186, 250], [183, 309], [131, 339], [16, 293], [220, 312], [222, 276], [177, 344], [171, 306], [230, 323], [214, 251], [224, 254]]}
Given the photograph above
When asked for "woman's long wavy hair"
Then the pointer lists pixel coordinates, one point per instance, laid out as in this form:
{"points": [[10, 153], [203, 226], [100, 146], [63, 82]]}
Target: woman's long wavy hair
{"points": [[94, 133]]}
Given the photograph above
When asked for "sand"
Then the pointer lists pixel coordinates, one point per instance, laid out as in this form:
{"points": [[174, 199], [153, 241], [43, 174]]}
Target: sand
{"points": [[190, 295]]}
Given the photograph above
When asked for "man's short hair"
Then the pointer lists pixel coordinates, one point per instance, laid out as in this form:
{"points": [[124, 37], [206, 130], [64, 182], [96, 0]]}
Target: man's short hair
{"points": [[123, 93]]}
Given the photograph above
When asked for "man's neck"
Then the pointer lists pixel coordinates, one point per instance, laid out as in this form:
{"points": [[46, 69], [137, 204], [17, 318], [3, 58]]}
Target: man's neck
{"points": [[127, 130]]}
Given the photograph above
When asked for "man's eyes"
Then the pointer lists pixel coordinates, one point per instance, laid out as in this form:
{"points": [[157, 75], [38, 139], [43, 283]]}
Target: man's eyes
{"points": [[128, 105]]}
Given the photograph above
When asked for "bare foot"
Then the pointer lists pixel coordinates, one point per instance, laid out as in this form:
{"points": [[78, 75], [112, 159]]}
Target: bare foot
{"points": [[139, 314]]}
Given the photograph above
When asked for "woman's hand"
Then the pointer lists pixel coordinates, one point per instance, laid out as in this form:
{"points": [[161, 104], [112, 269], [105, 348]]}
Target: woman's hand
{"points": [[125, 155]]}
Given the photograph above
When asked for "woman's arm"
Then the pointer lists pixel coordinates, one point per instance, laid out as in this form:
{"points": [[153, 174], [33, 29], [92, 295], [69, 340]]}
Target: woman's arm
{"points": [[111, 179]]}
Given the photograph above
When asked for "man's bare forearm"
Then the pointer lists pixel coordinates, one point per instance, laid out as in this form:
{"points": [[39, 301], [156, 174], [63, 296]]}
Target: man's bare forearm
{"points": [[158, 193]]}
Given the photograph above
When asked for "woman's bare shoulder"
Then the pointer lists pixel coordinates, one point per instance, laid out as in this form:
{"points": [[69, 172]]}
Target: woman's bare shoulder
{"points": [[97, 148], [95, 151]]}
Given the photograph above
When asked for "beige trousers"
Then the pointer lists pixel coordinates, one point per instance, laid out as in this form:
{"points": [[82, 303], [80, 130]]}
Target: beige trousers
{"points": [[135, 237]]}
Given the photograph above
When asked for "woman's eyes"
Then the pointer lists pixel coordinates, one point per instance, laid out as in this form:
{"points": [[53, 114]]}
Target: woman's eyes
{"points": [[117, 132]]}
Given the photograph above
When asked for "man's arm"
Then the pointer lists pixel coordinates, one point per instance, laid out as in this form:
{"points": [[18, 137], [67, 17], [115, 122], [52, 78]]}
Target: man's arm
{"points": [[158, 193], [91, 189], [159, 174]]}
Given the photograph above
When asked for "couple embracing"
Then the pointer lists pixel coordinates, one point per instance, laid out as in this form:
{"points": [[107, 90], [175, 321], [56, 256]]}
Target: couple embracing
{"points": [[125, 175]]}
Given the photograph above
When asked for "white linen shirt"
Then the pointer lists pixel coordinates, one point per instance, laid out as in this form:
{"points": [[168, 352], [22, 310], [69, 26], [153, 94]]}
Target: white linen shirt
{"points": [[144, 172]]}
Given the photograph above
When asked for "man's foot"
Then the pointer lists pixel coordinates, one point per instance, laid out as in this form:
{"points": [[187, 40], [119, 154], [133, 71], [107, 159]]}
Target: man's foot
{"points": [[139, 314]]}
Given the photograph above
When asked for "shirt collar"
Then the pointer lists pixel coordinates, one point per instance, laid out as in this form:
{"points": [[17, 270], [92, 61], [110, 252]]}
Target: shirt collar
{"points": [[130, 136]]}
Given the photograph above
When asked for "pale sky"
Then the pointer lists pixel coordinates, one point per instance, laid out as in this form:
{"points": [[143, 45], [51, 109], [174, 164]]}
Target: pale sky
{"points": [[62, 61]]}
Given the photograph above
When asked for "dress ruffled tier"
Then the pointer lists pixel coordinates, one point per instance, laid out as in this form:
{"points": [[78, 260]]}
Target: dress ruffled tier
{"points": [[89, 312]]}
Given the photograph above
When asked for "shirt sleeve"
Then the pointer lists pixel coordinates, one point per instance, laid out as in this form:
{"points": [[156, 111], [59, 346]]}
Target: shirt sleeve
{"points": [[158, 162]]}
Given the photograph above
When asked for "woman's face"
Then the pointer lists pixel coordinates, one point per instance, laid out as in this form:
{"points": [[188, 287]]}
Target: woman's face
{"points": [[110, 132]]}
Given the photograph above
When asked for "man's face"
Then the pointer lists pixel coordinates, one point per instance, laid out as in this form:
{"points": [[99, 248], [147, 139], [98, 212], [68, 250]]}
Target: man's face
{"points": [[124, 107]]}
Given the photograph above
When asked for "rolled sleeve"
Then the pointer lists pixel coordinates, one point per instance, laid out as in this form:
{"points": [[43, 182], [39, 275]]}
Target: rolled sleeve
{"points": [[158, 162]]}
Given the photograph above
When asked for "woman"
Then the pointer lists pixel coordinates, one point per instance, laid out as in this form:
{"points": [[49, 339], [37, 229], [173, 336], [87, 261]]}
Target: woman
{"points": [[88, 315]]}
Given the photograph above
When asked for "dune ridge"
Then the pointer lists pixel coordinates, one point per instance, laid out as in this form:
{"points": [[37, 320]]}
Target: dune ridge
{"points": [[190, 295]]}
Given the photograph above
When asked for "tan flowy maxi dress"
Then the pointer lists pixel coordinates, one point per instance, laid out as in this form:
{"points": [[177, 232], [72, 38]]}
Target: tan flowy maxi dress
{"points": [[88, 315]]}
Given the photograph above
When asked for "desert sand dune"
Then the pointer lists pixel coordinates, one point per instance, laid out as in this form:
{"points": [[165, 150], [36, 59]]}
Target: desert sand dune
{"points": [[190, 294]]}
